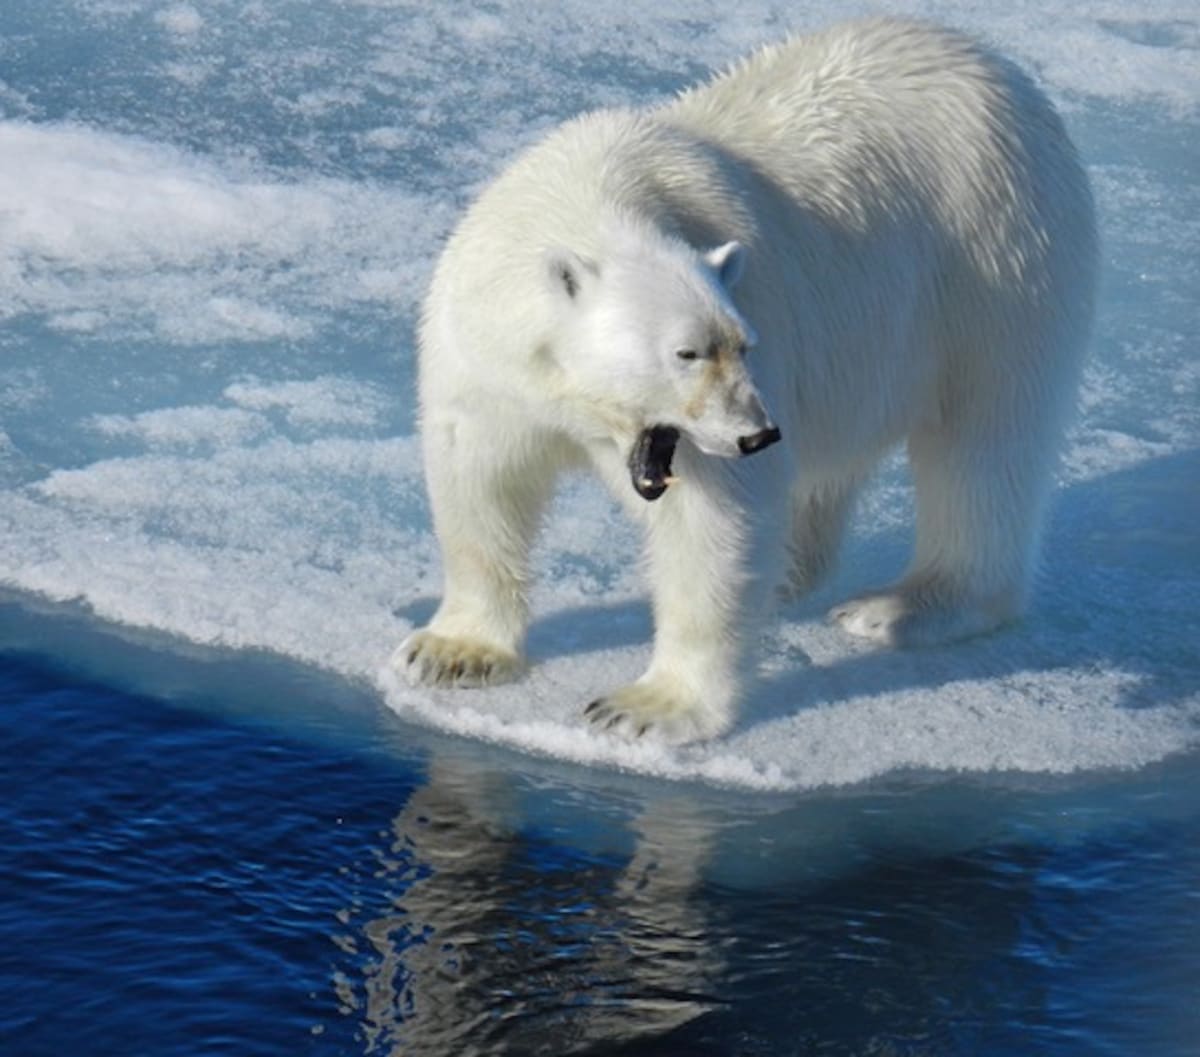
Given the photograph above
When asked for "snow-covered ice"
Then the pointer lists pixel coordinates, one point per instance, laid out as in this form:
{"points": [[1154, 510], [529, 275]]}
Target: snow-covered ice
{"points": [[216, 223]]}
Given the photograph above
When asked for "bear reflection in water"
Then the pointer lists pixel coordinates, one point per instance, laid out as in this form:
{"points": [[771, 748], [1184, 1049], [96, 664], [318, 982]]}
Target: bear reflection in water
{"points": [[486, 952], [507, 915]]}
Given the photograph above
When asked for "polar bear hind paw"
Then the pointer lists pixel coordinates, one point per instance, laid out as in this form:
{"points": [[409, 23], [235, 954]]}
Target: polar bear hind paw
{"points": [[429, 659], [913, 619], [652, 709]]}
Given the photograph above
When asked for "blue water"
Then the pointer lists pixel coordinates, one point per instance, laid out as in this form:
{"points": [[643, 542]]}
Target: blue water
{"points": [[184, 873]]}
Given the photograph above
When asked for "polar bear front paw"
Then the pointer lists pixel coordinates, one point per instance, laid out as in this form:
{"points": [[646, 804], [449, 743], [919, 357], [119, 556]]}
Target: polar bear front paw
{"points": [[429, 659], [653, 707]]}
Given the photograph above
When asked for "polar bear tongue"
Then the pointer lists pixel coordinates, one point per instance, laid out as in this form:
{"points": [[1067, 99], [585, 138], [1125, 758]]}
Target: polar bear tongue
{"points": [[650, 461]]}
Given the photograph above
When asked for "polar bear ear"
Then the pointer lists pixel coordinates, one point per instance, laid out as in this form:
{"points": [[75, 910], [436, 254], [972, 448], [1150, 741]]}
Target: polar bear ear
{"points": [[569, 273], [727, 261]]}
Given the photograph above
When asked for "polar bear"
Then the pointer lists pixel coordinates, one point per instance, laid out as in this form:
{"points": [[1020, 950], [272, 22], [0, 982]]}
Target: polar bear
{"points": [[875, 234]]}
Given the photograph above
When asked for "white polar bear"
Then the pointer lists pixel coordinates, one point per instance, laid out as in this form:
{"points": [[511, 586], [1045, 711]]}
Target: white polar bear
{"points": [[914, 239]]}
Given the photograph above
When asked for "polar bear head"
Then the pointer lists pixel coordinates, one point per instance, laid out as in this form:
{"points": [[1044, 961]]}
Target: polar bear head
{"points": [[648, 330]]}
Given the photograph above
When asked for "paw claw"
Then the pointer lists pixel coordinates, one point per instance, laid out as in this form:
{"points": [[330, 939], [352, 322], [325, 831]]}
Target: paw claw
{"points": [[657, 707], [437, 660]]}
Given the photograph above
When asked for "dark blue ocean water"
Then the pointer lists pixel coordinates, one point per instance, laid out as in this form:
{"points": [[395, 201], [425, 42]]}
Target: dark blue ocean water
{"points": [[183, 874]]}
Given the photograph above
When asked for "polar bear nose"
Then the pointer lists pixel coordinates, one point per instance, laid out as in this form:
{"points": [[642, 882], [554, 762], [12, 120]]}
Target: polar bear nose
{"points": [[757, 441]]}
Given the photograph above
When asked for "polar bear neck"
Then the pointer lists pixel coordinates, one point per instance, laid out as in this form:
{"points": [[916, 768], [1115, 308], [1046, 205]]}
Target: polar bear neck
{"points": [[643, 173]]}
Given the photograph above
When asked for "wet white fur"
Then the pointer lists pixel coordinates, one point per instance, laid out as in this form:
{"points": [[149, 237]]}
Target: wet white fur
{"points": [[917, 256]]}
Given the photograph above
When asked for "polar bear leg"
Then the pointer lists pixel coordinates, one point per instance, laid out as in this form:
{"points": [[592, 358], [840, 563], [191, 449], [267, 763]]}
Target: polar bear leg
{"points": [[820, 513], [488, 487], [979, 504], [714, 555]]}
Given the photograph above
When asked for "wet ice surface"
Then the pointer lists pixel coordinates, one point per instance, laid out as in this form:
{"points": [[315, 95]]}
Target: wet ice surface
{"points": [[216, 221]]}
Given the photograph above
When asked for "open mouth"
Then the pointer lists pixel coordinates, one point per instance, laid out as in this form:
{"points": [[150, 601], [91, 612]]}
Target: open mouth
{"points": [[650, 461]]}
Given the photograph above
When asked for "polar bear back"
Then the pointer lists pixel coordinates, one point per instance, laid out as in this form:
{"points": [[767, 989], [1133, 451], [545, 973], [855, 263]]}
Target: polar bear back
{"points": [[873, 117]]}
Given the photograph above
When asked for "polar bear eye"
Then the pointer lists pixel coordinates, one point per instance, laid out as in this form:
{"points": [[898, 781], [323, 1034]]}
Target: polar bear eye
{"points": [[688, 354]]}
